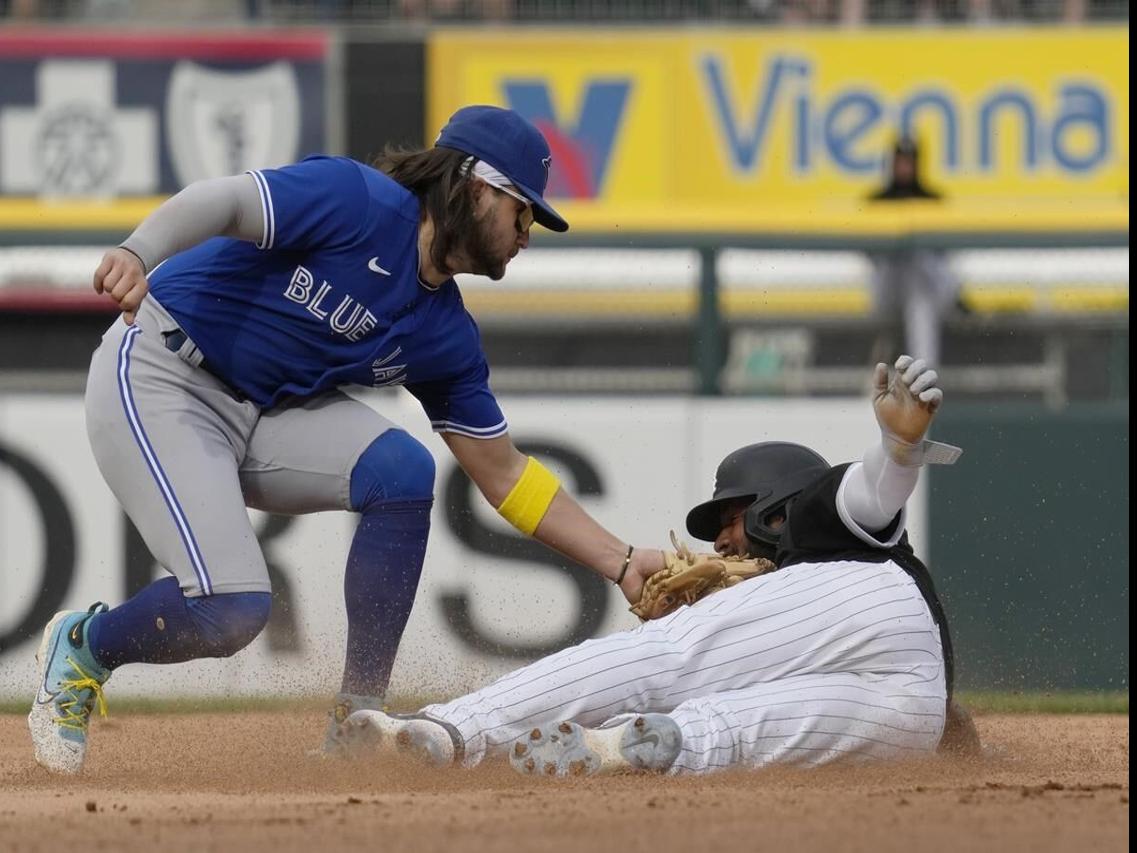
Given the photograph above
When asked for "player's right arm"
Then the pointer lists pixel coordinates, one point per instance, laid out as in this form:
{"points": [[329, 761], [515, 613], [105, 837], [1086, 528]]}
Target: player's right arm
{"points": [[499, 470], [218, 207]]}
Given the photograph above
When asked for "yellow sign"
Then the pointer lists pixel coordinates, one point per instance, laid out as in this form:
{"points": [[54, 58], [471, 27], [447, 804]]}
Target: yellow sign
{"points": [[712, 129]]}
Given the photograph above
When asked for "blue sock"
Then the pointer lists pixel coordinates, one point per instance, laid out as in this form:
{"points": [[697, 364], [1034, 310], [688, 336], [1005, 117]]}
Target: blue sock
{"points": [[383, 568], [160, 625], [392, 486]]}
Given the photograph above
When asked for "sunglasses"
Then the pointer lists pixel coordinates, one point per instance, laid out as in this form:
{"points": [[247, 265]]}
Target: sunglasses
{"points": [[525, 215]]}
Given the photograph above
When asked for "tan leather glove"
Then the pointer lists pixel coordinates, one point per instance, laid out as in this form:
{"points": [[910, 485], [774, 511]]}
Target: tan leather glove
{"points": [[688, 577]]}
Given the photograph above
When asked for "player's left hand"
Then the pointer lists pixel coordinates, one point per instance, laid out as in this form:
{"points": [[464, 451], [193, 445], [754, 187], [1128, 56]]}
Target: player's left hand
{"points": [[906, 401], [121, 276]]}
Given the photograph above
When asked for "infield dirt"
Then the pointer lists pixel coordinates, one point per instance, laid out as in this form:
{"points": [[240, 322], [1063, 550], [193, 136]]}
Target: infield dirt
{"points": [[244, 781]]}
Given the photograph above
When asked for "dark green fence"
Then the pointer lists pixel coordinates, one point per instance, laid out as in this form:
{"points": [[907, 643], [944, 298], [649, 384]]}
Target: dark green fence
{"points": [[1030, 545]]}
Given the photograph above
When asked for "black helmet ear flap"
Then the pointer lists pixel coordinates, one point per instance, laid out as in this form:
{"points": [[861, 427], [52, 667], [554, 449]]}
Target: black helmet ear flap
{"points": [[756, 527], [781, 497]]}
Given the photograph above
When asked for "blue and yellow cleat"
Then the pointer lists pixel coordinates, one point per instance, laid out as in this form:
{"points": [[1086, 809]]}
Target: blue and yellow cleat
{"points": [[650, 742], [70, 688]]}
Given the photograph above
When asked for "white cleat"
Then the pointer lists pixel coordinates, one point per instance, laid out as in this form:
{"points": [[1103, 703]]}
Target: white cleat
{"points": [[429, 741], [650, 742], [345, 705]]}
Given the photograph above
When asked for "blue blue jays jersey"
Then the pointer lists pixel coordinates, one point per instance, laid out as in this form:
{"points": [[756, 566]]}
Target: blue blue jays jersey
{"points": [[331, 296]]}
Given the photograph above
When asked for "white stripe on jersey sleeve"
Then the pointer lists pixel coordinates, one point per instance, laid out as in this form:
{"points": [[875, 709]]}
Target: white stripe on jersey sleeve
{"points": [[268, 237], [494, 431], [855, 528]]}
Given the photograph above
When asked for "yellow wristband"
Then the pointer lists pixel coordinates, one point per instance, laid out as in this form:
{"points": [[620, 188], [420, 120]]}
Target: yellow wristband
{"points": [[529, 499]]}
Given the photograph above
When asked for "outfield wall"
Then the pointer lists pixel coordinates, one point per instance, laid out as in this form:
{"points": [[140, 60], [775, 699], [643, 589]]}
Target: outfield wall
{"points": [[1028, 538], [488, 599]]}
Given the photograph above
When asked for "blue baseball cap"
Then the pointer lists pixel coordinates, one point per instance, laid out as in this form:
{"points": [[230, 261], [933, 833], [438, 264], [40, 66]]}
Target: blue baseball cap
{"points": [[511, 145]]}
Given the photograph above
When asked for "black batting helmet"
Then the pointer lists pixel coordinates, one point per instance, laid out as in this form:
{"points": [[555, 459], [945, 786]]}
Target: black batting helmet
{"points": [[768, 473]]}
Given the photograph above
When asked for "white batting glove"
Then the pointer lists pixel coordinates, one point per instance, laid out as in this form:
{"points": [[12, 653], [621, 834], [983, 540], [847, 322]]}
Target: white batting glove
{"points": [[905, 401]]}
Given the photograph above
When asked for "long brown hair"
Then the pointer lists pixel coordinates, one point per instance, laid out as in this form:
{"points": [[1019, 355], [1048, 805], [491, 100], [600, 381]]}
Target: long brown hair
{"points": [[435, 177]]}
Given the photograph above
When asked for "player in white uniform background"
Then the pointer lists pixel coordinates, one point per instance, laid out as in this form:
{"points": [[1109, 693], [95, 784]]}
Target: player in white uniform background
{"points": [[247, 302], [842, 652]]}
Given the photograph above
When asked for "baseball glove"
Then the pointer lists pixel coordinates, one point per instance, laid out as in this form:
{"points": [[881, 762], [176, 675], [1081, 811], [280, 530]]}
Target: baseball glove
{"points": [[688, 577]]}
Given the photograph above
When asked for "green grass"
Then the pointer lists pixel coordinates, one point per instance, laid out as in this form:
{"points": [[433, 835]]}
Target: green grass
{"points": [[189, 705], [981, 702], [1045, 702]]}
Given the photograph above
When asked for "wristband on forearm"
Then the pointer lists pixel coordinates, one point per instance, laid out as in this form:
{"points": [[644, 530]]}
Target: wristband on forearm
{"points": [[530, 497], [924, 452]]}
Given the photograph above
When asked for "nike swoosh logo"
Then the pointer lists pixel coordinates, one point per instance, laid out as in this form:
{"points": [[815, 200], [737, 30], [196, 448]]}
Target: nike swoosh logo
{"points": [[373, 265]]}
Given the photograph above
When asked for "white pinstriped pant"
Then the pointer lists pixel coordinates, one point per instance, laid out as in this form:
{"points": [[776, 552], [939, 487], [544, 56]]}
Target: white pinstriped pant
{"points": [[807, 665]]}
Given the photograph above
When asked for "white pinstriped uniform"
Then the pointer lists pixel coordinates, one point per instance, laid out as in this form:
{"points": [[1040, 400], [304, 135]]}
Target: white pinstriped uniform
{"points": [[815, 662]]}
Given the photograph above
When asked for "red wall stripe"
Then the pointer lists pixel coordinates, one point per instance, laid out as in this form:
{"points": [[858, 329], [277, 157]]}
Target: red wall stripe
{"points": [[38, 43]]}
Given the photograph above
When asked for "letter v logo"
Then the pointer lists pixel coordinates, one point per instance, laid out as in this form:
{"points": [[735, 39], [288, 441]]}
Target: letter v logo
{"points": [[746, 146], [581, 153]]}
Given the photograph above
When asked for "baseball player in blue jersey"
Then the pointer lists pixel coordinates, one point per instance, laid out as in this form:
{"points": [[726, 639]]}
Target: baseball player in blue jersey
{"points": [[842, 652], [247, 302]]}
